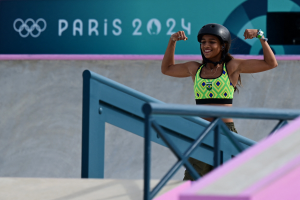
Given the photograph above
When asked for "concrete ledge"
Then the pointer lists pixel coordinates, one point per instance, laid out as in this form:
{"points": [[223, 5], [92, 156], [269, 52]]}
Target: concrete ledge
{"points": [[268, 170], [76, 189], [63, 189]]}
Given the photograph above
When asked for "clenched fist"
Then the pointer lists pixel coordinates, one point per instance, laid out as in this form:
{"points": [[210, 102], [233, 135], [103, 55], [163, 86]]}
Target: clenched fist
{"points": [[250, 33], [180, 35]]}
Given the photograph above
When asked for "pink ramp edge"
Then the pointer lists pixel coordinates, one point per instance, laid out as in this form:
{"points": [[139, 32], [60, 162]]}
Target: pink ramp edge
{"points": [[124, 57], [240, 159], [281, 184], [215, 197], [174, 193]]}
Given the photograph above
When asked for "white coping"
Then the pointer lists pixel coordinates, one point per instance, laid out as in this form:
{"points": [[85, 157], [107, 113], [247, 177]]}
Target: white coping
{"points": [[75, 189], [256, 168]]}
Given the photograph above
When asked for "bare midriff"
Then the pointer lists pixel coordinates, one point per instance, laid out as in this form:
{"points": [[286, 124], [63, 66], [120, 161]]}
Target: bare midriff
{"points": [[225, 120]]}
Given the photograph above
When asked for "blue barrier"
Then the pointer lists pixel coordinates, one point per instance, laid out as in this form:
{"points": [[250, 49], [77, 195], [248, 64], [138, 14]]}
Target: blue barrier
{"points": [[106, 101], [215, 112]]}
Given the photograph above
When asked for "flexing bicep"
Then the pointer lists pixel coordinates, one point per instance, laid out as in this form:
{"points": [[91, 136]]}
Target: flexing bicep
{"points": [[253, 66], [179, 70], [176, 70]]}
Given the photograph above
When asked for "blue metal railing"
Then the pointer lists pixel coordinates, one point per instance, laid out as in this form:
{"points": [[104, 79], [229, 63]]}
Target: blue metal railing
{"points": [[106, 101], [216, 112]]}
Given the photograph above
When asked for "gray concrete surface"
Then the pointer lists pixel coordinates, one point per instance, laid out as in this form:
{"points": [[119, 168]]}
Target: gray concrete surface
{"points": [[40, 121], [76, 189], [255, 171]]}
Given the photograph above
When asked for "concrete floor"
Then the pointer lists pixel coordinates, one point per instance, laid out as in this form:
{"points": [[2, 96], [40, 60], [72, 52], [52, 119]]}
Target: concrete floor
{"points": [[41, 106], [76, 189]]}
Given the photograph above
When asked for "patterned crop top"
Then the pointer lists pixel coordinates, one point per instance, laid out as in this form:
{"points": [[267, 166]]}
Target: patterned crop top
{"points": [[213, 91]]}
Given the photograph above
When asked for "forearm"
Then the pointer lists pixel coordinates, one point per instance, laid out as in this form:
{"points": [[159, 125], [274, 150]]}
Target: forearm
{"points": [[269, 56], [168, 59]]}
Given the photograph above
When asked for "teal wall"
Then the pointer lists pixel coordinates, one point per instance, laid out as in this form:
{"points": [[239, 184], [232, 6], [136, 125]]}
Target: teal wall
{"points": [[130, 26]]}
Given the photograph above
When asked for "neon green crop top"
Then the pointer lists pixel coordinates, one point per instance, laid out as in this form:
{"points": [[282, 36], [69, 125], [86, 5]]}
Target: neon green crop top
{"points": [[213, 91]]}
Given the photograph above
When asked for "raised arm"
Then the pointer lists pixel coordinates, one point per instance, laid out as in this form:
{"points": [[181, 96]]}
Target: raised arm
{"points": [[168, 66], [254, 66]]}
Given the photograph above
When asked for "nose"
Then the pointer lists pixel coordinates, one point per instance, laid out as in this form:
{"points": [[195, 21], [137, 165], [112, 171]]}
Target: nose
{"points": [[204, 44]]}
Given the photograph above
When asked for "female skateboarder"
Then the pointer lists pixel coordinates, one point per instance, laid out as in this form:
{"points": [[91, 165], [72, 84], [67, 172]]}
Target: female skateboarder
{"points": [[217, 77]]}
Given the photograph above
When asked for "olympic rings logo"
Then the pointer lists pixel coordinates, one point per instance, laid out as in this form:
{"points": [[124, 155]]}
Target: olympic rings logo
{"points": [[30, 26]]}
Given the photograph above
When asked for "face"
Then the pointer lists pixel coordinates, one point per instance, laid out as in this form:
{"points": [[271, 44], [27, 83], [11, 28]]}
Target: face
{"points": [[211, 47]]}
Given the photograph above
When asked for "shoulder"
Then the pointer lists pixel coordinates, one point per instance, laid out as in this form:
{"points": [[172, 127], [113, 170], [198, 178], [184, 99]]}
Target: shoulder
{"points": [[233, 65], [193, 67], [193, 64]]}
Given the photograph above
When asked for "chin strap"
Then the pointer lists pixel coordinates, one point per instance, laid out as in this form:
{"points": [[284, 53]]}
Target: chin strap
{"points": [[209, 61]]}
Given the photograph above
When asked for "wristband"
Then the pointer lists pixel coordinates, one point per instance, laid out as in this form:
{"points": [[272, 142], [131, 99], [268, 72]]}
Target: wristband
{"points": [[260, 34]]}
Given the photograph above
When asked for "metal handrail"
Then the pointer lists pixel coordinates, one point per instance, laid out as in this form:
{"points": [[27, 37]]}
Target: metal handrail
{"points": [[106, 101], [215, 112], [223, 112]]}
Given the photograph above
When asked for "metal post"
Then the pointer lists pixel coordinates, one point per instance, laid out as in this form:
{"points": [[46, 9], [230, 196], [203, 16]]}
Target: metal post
{"points": [[93, 132], [147, 156], [216, 146]]}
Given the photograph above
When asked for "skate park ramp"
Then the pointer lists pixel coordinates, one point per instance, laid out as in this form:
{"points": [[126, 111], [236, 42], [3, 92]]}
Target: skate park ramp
{"points": [[41, 106], [268, 170]]}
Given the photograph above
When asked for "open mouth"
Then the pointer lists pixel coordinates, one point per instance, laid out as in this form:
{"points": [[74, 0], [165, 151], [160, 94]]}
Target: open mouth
{"points": [[207, 51]]}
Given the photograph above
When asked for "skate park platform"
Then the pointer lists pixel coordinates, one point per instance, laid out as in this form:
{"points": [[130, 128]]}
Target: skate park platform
{"points": [[268, 170], [41, 133], [75, 189]]}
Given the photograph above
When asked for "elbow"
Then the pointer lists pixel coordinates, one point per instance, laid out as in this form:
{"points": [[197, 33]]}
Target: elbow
{"points": [[272, 64], [164, 70], [275, 64]]}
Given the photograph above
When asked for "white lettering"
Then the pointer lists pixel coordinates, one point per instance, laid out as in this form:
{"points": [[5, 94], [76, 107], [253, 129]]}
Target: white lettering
{"points": [[187, 28], [170, 31], [117, 33], [75, 28], [105, 27], [93, 29], [62, 28], [153, 27], [137, 27]]}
